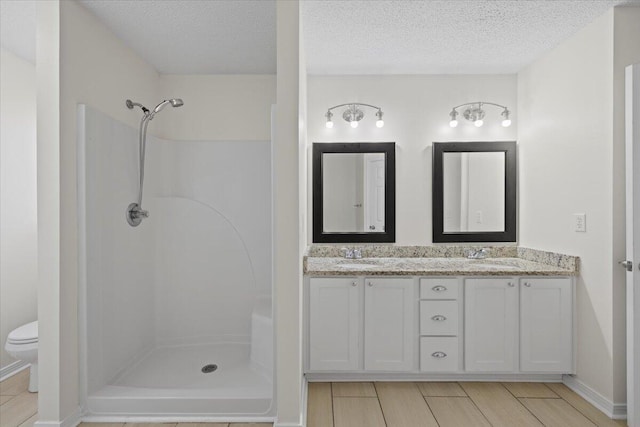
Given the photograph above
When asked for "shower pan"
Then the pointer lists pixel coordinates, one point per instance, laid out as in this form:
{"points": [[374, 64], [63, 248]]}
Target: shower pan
{"points": [[176, 315]]}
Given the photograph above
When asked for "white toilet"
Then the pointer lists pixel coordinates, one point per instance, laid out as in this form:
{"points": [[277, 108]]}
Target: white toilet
{"points": [[22, 344]]}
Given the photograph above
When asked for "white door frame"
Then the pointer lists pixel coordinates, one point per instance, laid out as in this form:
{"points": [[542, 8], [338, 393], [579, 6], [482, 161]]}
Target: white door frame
{"points": [[632, 132]]}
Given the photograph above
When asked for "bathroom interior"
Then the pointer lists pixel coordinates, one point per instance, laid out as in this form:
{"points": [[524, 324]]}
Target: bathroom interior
{"points": [[200, 201]]}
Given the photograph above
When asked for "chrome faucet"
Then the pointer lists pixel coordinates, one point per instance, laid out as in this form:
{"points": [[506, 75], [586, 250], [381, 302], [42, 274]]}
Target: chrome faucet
{"points": [[478, 254], [352, 253]]}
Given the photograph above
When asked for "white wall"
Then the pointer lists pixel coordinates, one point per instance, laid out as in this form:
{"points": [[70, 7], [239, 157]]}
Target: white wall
{"points": [[288, 219], [219, 107], [18, 196], [416, 113], [75, 46], [571, 161]]}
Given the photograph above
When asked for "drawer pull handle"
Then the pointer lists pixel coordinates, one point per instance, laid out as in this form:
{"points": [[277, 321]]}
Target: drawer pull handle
{"points": [[438, 318], [439, 288], [439, 354]]}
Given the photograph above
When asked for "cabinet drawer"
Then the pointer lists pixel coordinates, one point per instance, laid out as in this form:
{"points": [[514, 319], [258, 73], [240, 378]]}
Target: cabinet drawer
{"points": [[434, 288], [438, 317], [439, 354]]}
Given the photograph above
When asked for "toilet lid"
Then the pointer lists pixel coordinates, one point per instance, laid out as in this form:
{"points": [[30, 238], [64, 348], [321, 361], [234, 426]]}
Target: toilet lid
{"points": [[25, 334]]}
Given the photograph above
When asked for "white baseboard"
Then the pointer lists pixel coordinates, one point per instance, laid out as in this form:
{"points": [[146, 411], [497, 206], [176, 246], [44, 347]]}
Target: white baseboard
{"points": [[71, 421], [422, 376], [305, 400], [616, 411], [12, 369]]}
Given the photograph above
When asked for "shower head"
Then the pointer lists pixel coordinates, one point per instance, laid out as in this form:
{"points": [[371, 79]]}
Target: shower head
{"points": [[130, 104], [176, 102]]}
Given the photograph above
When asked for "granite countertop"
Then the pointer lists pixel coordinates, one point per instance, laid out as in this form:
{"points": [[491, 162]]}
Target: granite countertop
{"points": [[321, 261]]}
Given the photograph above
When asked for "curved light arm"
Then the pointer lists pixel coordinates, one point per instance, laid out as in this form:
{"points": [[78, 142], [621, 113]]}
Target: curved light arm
{"points": [[354, 103], [480, 103]]}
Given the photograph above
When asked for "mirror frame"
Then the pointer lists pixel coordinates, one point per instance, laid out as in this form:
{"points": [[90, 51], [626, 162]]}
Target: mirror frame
{"points": [[389, 150], [510, 174]]}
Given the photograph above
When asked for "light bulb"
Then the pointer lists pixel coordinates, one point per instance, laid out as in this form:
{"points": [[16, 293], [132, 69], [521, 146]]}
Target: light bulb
{"points": [[478, 123], [380, 123], [506, 121], [453, 123], [329, 124], [354, 124]]}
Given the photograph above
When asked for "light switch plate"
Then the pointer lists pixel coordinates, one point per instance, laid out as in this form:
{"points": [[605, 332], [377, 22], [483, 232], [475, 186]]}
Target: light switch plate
{"points": [[580, 221]]}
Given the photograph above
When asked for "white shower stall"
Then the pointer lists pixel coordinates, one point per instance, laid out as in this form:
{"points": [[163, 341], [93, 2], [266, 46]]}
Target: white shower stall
{"points": [[176, 312]]}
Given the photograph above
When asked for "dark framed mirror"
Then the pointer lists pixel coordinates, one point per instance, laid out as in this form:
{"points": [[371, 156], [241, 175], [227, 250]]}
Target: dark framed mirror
{"points": [[354, 192], [474, 191]]}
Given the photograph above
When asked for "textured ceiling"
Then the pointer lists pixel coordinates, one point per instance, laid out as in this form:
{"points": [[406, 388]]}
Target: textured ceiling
{"points": [[438, 37], [340, 36]]}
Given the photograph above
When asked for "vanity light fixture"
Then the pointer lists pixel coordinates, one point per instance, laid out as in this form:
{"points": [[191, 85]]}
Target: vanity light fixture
{"points": [[475, 113], [353, 114]]}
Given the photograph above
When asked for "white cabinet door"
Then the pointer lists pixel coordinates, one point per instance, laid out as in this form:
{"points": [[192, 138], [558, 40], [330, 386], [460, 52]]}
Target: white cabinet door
{"points": [[389, 317], [334, 313], [546, 325], [491, 324]]}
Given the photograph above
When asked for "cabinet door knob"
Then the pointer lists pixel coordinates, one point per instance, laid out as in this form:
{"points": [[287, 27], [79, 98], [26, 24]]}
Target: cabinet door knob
{"points": [[439, 354], [354, 283], [439, 288], [438, 318], [511, 284], [527, 284], [369, 283]]}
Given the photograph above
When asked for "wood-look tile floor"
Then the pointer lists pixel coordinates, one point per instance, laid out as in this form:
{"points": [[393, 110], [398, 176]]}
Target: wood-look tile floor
{"points": [[437, 404], [403, 404]]}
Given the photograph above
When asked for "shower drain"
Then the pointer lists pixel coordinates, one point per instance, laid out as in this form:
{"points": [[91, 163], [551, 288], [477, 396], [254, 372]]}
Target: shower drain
{"points": [[207, 369]]}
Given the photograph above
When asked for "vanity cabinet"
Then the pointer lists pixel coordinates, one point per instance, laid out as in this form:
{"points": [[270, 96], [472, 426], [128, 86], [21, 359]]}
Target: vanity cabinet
{"points": [[334, 324], [491, 324], [388, 324], [520, 325], [336, 337], [445, 326], [546, 319], [440, 321]]}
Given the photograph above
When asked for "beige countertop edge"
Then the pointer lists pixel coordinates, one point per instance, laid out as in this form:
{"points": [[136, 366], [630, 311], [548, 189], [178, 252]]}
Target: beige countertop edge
{"points": [[323, 266]]}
